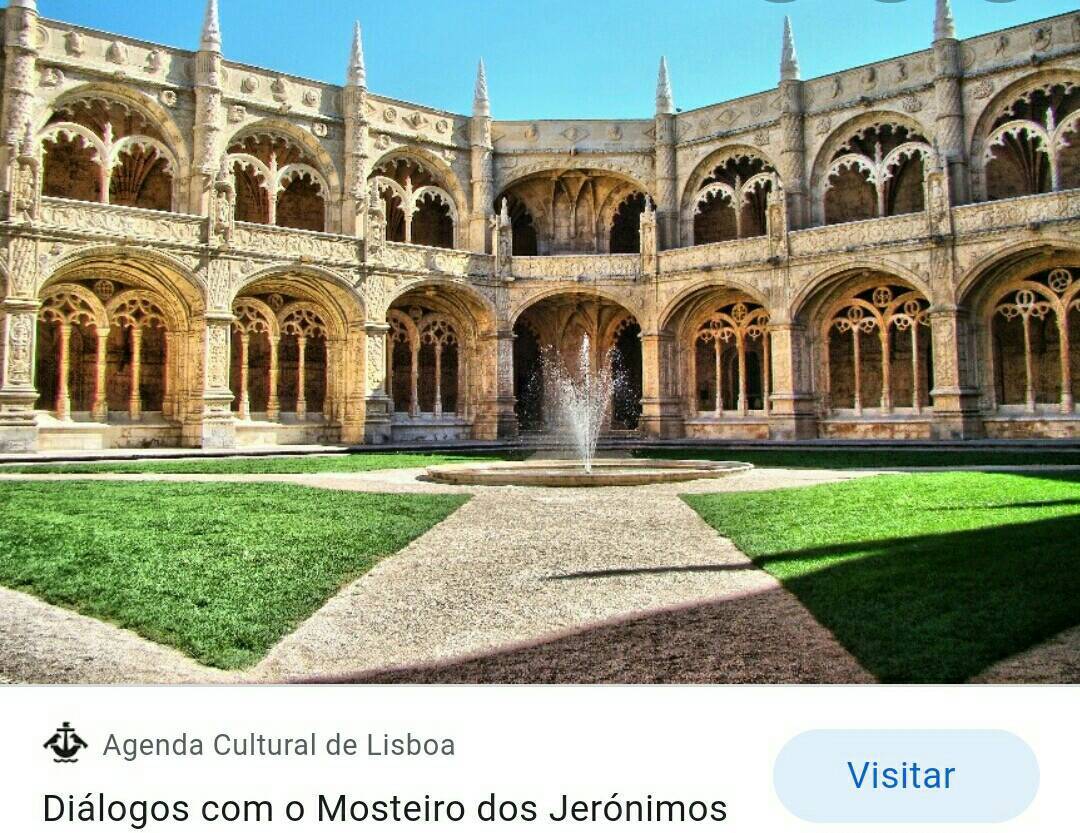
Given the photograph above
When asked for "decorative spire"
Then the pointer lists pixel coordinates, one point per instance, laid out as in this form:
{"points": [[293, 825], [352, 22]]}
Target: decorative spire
{"points": [[504, 213], [357, 72], [789, 60], [944, 25], [481, 106], [211, 29], [665, 101]]}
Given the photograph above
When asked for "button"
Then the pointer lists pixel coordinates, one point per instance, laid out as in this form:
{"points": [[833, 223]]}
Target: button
{"points": [[906, 776]]}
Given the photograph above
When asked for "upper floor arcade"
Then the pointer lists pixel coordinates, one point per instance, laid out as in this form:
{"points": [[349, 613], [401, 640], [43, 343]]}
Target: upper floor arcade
{"points": [[118, 122]]}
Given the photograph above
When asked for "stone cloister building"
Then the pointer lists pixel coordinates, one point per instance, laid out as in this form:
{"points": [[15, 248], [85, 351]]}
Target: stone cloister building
{"points": [[201, 253]]}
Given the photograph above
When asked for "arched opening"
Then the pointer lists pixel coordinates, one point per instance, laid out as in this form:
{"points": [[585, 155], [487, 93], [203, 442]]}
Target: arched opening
{"points": [[731, 200], [552, 330], [521, 222], [574, 211], [626, 361], [1034, 351], [1033, 144], [877, 351], [278, 182], [877, 172], [109, 351], [528, 378], [101, 150], [626, 225], [419, 208], [438, 368]]}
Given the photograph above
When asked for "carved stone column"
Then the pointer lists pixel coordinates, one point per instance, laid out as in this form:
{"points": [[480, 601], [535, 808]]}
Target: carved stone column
{"points": [[661, 415], [63, 371], [956, 394], [273, 404], [18, 424], [377, 404], [792, 160], [949, 128], [495, 417], [100, 409], [218, 426], [209, 125], [792, 414], [244, 405], [135, 395], [20, 63], [301, 377]]}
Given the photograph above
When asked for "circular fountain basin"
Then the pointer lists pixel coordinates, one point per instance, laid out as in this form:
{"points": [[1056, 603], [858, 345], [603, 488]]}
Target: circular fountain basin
{"points": [[571, 473]]}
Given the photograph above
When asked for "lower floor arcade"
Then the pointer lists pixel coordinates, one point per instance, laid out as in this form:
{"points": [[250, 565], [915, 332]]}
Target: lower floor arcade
{"points": [[125, 354]]}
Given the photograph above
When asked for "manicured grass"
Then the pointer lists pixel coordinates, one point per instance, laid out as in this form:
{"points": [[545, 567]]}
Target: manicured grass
{"points": [[221, 571], [303, 464], [870, 458], [924, 577]]}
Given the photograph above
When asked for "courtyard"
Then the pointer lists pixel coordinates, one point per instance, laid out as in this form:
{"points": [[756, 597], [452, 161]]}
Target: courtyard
{"points": [[823, 566]]}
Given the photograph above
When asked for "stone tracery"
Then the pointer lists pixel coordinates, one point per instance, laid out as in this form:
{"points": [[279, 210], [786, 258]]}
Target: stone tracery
{"points": [[1032, 145], [892, 370], [876, 172]]}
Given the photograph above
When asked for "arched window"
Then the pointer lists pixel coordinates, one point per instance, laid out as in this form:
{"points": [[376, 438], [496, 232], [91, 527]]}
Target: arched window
{"points": [[105, 151], [626, 225], [1034, 143], [522, 224], [879, 351], [731, 361], [139, 346], [71, 364], [419, 209], [1035, 334], [425, 359], [732, 200], [304, 359], [255, 359], [277, 183], [878, 172]]}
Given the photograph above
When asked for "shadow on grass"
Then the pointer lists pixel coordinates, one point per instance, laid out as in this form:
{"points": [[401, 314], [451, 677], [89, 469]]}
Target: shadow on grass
{"points": [[941, 608]]}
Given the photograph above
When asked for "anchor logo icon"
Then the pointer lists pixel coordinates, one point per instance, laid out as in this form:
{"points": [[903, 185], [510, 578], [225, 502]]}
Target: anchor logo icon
{"points": [[65, 744]]}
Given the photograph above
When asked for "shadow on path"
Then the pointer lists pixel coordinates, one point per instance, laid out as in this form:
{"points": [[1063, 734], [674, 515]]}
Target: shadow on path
{"points": [[764, 637]]}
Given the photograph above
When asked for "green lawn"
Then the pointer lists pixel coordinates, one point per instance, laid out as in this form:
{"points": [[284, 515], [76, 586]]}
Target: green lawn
{"points": [[924, 577], [301, 464], [221, 571], [870, 458]]}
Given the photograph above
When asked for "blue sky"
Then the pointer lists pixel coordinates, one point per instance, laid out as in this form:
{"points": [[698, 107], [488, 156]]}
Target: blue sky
{"points": [[556, 58]]}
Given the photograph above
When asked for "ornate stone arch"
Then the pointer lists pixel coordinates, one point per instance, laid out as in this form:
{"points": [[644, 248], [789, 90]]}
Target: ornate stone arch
{"points": [[302, 138], [151, 269], [70, 303], [141, 308], [704, 169], [1049, 138], [345, 300], [705, 286], [826, 159], [130, 97], [108, 152], [835, 274], [252, 315], [428, 159], [543, 293], [477, 311]]}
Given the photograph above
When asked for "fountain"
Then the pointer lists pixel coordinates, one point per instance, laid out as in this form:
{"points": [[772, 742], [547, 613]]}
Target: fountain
{"points": [[577, 406]]}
